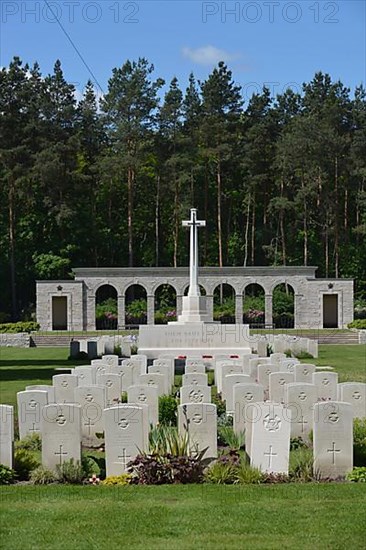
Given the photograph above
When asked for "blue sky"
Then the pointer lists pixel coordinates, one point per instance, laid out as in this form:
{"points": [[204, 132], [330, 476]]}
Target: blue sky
{"points": [[277, 43]]}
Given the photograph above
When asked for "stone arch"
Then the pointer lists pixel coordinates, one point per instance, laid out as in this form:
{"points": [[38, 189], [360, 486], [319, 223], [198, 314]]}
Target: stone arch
{"points": [[224, 298], [106, 307], [136, 296], [254, 304], [165, 302], [202, 289], [283, 305]]}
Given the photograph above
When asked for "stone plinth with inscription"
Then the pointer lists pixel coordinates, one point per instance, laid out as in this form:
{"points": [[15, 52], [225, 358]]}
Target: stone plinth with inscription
{"points": [[194, 339]]}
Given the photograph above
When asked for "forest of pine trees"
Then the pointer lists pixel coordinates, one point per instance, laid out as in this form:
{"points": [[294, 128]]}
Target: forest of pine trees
{"points": [[280, 181]]}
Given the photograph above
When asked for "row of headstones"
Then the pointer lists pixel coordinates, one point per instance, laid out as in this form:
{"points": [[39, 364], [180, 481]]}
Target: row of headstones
{"points": [[268, 429], [100, 385], [283, 342], [101, 345]]}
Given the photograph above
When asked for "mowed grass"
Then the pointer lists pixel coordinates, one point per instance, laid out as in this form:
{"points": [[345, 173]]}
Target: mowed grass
{"points": [[183, 517], [21, 367], [348, 360]]}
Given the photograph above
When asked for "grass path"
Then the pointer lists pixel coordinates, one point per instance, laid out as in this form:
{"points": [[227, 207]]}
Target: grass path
{"points": [[183, 517]]}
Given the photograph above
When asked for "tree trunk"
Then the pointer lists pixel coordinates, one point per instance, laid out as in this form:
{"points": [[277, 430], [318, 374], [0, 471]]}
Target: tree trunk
{"points": [[219, 228], [130, 182], [12, 252], [157, 209], [253, 233], [246, 242]]}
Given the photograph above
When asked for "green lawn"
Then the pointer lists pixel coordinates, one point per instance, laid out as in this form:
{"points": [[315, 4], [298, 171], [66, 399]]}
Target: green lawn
{"points": [[183, 517]]}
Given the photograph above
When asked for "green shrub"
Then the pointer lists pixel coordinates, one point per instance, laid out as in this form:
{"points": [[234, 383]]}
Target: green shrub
{"points": [[24, 462], [90, 466], [117, 351], [70, 472], [247, 474], [297, 443], [220, 404], [303, 355], [358, 475], [42, 476], [359, 442], [165, 440], [80, 356], [228, 438], [360, 324], [27, 326], [222, 474], [7, 475], [121, 480], [301, 464], [168, 406], [31, 442]]}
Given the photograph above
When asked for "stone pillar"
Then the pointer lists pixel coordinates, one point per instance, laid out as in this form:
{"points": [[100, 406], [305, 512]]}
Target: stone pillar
{"points": [[150, 309], [121, 312], [90, 312], [238, 309], [297, 311], [268, 300], [210, 306], [179, 304]]}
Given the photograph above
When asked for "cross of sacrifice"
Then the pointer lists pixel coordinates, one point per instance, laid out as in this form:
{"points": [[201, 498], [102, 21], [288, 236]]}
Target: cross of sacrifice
{"points": [[334, 451], [124, 457], [60, 453], [193, 224], [270, 454]]}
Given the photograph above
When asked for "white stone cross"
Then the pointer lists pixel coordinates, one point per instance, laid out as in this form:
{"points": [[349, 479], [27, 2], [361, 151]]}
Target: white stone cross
{"points": [[193, 224], [124, 456], [60, 453], [270, 454], [334, 451]]}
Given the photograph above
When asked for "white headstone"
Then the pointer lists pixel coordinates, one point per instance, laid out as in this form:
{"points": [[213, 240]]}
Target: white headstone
{"points": [[270, 438], [245, 394], [194, 366], [125, 436], [44, 387], [326, 383], [113, 387], [100, 366], [86, 375], [277, 384], [6, 435], [195, 394], [111, 360], [277, 357], [333, 439], [146, 395], [153, 380], [230, 380], [194, 379], [199, 423], [64, 385], [92, 400], [303, 372], [300, 398], [30, 405], [166, 372], [223, 370], [354, 393], [263, 372], [262, 346], [136, 368], [61, 434]]}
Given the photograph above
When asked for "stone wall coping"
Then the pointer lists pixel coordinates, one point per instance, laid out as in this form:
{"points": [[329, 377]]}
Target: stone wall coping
{"points": [[260, 271]]}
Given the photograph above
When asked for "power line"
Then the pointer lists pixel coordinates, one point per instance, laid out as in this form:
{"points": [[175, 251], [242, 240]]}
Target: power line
{"points": [[74, 46]]}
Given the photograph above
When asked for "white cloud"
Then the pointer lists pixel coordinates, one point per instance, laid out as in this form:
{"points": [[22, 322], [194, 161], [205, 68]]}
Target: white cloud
{"points": [[208, 55]]}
